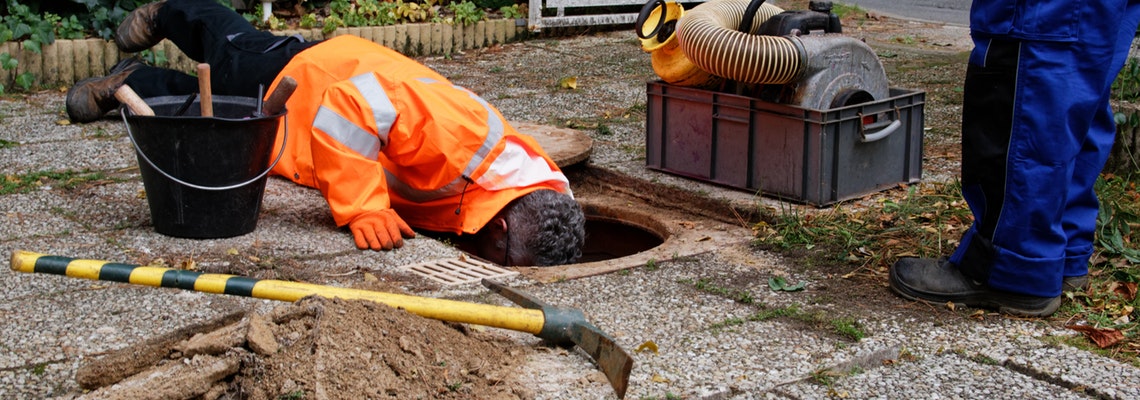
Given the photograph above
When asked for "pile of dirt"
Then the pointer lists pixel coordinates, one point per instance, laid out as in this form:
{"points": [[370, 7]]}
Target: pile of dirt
{"points": [[316, 348]]}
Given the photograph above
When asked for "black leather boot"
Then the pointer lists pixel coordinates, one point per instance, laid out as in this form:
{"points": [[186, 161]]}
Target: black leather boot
{"points": [[92, 98], [139, 30], [1075, 283], [939, 282]]}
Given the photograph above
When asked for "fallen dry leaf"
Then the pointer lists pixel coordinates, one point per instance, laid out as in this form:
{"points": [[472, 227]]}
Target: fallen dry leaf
{"points": [[570, 82], [1126, 289], [978, 315], [189, 265], [649, 345], [1102, 337]]}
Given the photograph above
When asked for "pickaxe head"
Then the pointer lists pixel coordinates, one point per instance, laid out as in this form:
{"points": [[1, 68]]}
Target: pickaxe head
{"points": [[566, 326]]}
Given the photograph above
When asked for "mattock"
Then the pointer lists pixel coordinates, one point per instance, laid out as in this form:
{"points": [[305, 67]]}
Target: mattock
{"points": [[562, 326]]}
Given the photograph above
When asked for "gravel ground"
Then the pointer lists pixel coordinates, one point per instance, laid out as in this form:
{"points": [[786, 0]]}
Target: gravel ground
{"points": [[708, 346]]}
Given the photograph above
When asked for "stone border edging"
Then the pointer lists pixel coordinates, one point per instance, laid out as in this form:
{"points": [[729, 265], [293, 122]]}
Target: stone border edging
{"points": [[65, 62]]}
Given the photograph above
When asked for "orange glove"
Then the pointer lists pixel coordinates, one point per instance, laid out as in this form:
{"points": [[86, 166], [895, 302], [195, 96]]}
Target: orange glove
{"points": [[381, 230]]}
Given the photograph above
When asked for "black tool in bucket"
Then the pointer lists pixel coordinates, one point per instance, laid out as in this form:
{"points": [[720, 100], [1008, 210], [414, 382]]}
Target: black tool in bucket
{"points": [[204, 176]]}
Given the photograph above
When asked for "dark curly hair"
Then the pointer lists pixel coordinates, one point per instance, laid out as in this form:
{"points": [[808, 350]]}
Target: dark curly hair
{"points": [[547, 225]]}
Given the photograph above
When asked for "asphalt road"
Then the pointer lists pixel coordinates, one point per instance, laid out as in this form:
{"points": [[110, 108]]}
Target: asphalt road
{"points": [[949, 11]]}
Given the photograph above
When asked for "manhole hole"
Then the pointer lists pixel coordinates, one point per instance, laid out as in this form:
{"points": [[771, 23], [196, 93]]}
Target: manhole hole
{"points": [[457, 271], [611, 232], [608, 238], [621, 235]]}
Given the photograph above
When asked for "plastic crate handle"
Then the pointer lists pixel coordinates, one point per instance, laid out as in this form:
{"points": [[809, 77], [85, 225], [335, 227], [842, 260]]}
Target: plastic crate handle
{"points": [[883, 131]]}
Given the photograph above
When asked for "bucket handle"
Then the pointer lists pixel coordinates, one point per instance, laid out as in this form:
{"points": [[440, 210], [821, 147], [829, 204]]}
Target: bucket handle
{"points": [[284, 139]]}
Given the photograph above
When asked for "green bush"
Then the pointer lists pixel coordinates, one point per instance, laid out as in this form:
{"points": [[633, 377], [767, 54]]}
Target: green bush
{"points": [[466, 12], [74, 19], [495, 4], [40, 23]]}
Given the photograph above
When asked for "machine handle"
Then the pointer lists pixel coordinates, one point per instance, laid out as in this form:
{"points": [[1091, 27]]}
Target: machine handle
{"points": [[883, 131]]}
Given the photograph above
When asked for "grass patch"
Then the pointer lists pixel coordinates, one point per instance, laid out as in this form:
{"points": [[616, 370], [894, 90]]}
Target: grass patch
{"points": [[706, 285], [928, 220], [984, 359], [843, 326], [6, 144], [637, 109], [906, 39], [849, 328], [828, 377], [1110, 303], [843, 11], [69, 179]]}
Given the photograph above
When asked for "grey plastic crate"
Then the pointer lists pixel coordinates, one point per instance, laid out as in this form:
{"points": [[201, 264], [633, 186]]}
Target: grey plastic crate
{"points": [[818, 157]]}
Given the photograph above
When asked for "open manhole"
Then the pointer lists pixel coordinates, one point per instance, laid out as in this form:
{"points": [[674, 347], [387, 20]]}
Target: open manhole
{"points": [[611, 233], [614, 233], [619, 235]]}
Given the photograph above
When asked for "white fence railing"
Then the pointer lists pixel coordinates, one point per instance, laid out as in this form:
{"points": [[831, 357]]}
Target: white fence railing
{"points": [[537, 22]]}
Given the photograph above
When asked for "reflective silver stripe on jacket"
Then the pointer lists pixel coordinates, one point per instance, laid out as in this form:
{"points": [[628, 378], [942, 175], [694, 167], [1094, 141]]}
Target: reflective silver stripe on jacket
{"points": [[495, 130], [353, 136]]}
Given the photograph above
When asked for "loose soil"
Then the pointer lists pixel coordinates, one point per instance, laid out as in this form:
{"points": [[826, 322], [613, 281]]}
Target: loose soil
{"points": [[322, 348]]}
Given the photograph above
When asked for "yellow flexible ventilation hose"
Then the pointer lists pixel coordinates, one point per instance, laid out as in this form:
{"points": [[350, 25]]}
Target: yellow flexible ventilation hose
{"points": [[706, 37], [659, 39]]}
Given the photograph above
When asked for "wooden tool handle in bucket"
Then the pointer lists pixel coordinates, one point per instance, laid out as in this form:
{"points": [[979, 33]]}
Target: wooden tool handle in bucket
{"points": [[207, 98], [128, 97], [276, 101]]}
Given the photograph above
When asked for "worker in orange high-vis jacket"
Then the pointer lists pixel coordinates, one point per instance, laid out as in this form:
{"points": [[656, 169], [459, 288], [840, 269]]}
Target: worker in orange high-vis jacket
{"points": [[390, 143]]}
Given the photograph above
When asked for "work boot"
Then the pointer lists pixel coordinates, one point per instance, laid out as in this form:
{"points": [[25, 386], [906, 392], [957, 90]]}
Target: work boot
{"points": [[940, 282], [1075, 283], [139, 31], [92, 98]]}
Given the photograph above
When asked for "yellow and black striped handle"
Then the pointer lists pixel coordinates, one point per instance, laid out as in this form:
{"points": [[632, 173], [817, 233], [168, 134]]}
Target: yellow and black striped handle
{"points": [[516, 319]]}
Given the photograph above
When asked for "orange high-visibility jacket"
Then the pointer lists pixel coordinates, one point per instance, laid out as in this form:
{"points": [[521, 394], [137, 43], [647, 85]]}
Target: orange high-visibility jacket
{"points": [[373, 129]]}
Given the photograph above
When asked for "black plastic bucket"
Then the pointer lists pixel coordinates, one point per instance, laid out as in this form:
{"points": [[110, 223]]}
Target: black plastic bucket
{"points": [[204, 176]]}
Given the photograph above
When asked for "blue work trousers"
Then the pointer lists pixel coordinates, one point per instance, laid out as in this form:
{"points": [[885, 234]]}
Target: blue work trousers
{"points": [[1037, 129]]}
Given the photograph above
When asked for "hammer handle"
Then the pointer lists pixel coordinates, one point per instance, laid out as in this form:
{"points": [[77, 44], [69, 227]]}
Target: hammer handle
{"points": [[207, 98], [276, 101], [127, 96]]}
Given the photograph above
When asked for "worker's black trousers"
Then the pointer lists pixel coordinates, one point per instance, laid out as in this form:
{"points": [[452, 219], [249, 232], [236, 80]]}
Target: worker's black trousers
{"points": [[241, 57]]}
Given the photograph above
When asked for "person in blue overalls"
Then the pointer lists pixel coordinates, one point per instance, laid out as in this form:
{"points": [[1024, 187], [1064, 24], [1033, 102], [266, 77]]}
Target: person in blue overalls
{"points": [[1037, 129]]}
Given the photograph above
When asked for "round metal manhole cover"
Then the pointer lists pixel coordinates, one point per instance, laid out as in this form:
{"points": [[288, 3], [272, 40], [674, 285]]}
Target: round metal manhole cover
{"points": [[565, 146]]}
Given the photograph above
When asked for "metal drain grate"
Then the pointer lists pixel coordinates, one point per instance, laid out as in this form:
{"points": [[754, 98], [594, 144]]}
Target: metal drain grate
{"points": [[457, 271]]}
